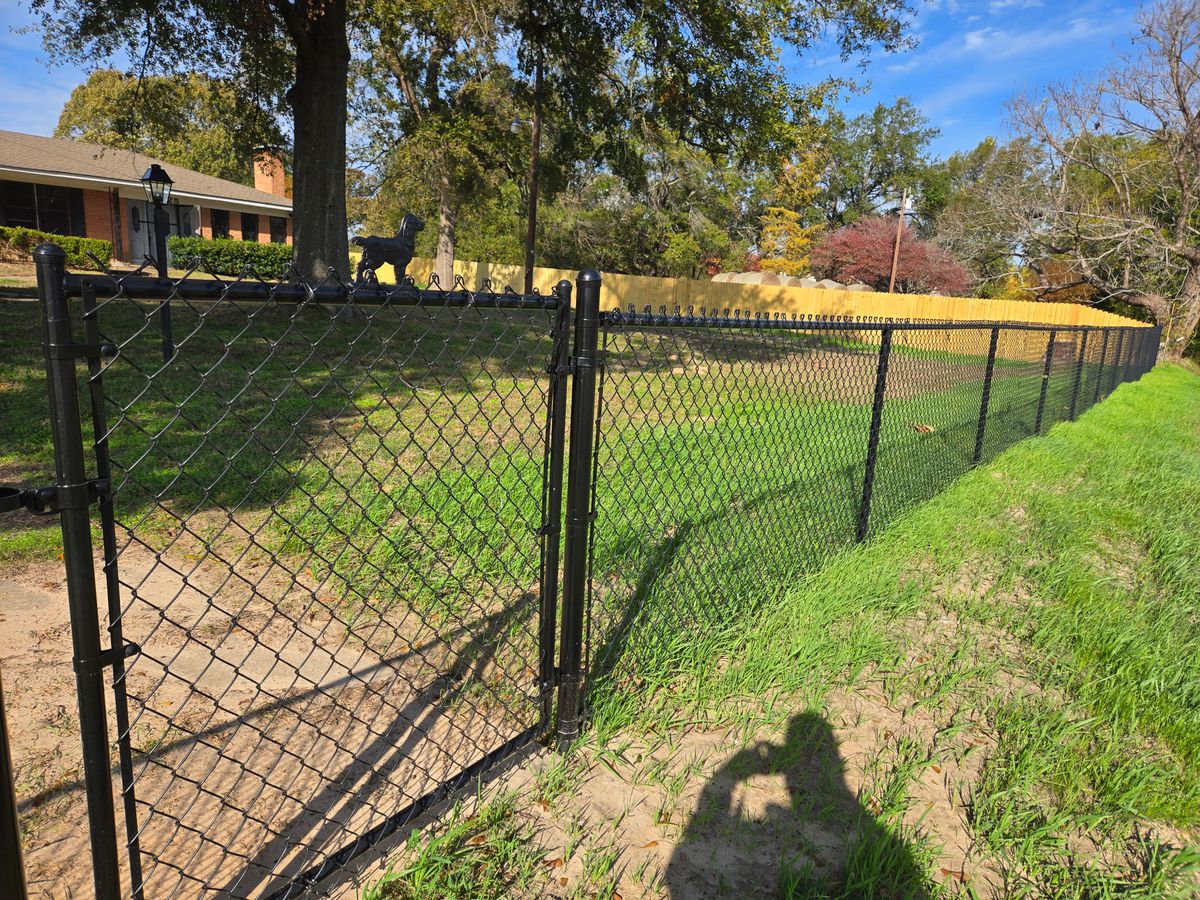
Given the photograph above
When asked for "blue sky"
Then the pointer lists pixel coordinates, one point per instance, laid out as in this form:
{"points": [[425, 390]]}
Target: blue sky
{"points": [[971, 57]]}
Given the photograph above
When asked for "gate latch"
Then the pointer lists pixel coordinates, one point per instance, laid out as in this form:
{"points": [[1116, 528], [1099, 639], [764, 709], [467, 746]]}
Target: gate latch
{"points": [[45, 501]]}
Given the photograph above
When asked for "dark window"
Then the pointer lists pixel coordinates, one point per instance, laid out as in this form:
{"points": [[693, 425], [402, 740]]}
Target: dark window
{"points": [[249, 227], [46, 207], [278, 230], [18, 208], [78, 222], [220, 222], [54, 209]]}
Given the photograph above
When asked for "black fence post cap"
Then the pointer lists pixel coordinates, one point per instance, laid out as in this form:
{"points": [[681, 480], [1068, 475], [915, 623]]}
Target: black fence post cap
{"points": [[588, 275], [49, 251]]}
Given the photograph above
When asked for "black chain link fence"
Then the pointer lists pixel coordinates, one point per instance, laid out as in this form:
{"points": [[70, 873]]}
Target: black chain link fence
{"points": [[735, 452], [330, 515]]}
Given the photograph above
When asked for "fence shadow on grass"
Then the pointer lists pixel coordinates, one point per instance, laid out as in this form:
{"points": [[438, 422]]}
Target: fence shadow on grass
{"points": [[674, 558], [814, 838]]}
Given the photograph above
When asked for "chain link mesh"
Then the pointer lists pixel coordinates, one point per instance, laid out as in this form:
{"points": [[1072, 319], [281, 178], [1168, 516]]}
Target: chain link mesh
{"points": [[735, 452], [327, 509]]}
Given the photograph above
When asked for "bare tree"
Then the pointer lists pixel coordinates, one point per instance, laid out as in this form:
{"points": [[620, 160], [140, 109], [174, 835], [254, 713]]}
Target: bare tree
{"points": [[1117, 174]]}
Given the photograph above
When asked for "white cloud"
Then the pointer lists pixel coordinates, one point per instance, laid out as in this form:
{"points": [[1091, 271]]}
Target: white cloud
{"points": [[991, 44], [973, 40], [999, 6]]}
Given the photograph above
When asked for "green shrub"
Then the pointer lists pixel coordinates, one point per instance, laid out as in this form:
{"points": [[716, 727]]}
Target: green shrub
{"points": [[21, 241], [222, 256]]}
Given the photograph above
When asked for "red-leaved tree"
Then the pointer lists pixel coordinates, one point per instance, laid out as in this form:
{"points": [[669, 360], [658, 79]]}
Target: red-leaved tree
{"points": [[862, 252]]}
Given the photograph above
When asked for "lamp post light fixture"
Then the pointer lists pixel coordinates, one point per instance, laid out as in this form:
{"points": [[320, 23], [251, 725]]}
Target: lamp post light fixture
{"points": [[158, 191]]}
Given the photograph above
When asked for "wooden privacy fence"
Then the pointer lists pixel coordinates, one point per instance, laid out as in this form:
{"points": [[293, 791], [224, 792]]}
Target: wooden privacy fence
{"points": [[642, 290]]}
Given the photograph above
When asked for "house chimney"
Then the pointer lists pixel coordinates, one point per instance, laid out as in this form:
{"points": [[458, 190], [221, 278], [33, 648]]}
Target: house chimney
{"points": [[268, 173]]}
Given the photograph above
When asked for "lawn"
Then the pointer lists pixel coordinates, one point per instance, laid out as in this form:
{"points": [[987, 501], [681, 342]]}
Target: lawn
{"points": [[998, 695]]}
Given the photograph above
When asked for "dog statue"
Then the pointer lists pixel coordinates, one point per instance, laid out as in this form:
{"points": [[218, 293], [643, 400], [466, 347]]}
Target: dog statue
{"points": [[398, 251]]}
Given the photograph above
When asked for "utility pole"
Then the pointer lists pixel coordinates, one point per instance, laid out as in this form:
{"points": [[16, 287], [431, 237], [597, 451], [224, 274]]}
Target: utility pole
{"points": [[896, 248]]}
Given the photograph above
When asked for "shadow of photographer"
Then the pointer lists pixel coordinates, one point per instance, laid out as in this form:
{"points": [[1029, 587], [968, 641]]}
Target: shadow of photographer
{"points": [[814, 838]]}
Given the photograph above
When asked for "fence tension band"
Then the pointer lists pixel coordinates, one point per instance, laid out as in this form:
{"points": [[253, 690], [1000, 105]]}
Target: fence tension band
{"points": [[46, 501], [107, 658]]}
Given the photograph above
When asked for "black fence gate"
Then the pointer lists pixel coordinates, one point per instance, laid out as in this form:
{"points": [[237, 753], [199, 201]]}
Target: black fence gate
{"points": [[329, 524], [328, 518]]}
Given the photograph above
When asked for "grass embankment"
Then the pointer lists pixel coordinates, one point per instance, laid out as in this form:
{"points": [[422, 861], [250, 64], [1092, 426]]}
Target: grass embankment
{"points": [[1034, 631]]}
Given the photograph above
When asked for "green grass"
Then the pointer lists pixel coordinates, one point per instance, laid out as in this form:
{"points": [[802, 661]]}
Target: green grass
{"points": [[482, 856], [1069, 563]]}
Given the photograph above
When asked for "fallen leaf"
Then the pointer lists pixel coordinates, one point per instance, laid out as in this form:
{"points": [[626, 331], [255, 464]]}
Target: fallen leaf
{"points": [[478, 839], [562, 882], [937, 769], [555, 863], [545, 805], [959, 876], [647, 846]]}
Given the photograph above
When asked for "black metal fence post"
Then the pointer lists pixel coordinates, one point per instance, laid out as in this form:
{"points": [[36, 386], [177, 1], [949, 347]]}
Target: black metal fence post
{"points": [[164, 310], [585, 362], [12, 869], [987, 395], [552, 514], [73, 495], [1083, 340], [1114, 380], [1041, 407], [1100, 368], [881, 370]]}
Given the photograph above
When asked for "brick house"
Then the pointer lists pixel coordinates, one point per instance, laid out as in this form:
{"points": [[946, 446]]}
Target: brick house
{"points": [[69, 187]]}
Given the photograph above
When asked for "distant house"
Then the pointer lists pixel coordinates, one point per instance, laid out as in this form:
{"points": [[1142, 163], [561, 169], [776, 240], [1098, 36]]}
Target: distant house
{"points": [[69, 187]]}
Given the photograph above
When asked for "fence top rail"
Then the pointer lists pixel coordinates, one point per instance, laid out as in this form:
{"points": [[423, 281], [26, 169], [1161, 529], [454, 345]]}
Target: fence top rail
{"points": [[617, 318], [213, 289]]}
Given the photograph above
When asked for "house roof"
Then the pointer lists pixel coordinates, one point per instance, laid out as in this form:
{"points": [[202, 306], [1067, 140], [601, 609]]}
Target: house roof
{"points": [[36, 155]]}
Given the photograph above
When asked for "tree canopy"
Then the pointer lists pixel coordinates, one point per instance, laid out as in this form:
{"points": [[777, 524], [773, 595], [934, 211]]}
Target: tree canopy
{"points": [[871, 158], [625, 86], [204, 123]]}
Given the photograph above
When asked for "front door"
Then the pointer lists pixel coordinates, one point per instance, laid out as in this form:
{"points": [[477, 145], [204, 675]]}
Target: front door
{"points": [[181, 221]]}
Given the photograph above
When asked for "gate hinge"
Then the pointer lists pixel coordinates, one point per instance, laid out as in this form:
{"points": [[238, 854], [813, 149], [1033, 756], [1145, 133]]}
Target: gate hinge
{"points": [[595, 361], [45, 501], [106, 350], [107, 658]]}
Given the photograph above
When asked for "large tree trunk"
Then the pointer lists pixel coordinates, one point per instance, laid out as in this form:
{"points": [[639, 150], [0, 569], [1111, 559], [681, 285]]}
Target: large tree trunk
{"points": [[443, 264], [1179, 334], [318, 101]]}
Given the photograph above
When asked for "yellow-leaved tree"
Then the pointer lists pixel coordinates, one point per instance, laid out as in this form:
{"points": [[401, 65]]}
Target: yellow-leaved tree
{"points": [[786, 237]]}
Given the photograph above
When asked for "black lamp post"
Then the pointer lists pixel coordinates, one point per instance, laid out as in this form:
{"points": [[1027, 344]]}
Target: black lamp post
{"points": [[158, 191]]}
